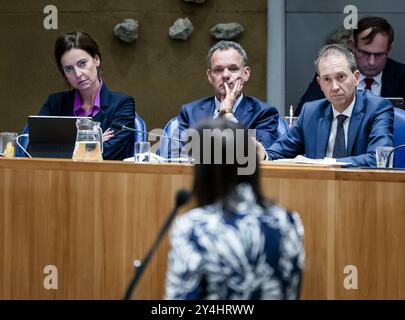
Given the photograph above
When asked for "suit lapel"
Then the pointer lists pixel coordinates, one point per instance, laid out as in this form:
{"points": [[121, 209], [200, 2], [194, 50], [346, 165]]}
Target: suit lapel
{"points": [[205, 110], [67, 104], [388, 80], [323, 130], [242, 112], [104, 102], [355, 120]]}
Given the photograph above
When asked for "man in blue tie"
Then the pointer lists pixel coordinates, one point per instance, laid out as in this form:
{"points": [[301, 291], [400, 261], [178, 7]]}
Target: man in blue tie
{"points": [[348, 125], [228, 72]]}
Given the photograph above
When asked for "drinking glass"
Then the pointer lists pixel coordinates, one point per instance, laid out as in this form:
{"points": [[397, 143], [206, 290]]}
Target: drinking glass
{"points": [[142, 151], [381, 155], [8, 144]]}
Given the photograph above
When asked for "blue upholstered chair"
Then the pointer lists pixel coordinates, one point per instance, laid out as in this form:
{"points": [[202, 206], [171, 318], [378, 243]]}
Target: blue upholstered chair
{"points": [[282, 126], [141, 126], [24, 143], [167, 146], [399, 137], [138, 136]]}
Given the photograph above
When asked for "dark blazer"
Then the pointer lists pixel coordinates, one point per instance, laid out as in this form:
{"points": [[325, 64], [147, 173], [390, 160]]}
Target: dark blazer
{"points": [[392, 85], [116, 110], [371, 125], [251, 114]]}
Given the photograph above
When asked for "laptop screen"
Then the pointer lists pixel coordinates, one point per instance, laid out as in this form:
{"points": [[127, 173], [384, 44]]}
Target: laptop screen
{"points": [[51, 137]]}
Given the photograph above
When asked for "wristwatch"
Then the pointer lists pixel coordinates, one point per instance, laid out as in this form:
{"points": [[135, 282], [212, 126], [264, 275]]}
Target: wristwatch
{"points": [[222, 112]]}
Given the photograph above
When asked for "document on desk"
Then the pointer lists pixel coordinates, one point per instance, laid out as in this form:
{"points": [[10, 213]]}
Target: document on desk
{"points": [[325, 162], [154, 158]]}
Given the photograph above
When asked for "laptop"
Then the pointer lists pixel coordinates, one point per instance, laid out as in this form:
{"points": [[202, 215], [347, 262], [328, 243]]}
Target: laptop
{"points": [[52, 136]]}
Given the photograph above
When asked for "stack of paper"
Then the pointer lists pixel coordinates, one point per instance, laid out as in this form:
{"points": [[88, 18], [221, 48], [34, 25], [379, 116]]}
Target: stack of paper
{"points": [[317, 162]]}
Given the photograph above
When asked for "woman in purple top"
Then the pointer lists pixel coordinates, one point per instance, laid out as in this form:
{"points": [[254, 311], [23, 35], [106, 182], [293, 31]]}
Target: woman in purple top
{"points": [[78, 58]]}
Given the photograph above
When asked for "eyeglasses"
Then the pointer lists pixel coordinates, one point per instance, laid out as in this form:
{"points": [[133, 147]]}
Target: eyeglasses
{"points": [[367, 55]]}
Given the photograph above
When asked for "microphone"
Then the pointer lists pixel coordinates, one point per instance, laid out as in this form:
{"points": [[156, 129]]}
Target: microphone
{"points": [[387, 163], [153, 134], [26, 135], [182, 197]]}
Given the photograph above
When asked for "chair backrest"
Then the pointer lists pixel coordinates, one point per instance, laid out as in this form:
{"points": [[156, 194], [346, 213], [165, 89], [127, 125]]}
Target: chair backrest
{"points": [[141, 126], [282, 126], [24, 143], [167, 146], [399, 137]]}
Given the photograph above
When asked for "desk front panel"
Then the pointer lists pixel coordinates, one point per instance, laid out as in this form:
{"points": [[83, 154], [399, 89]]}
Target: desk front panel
{"points": [[91, 220]]}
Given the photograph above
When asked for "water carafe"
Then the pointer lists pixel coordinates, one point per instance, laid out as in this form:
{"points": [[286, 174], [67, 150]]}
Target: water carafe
{"points": [[89, 141]]}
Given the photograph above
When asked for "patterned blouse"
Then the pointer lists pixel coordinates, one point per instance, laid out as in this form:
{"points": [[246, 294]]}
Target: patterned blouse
{"points": [[248, 252]]}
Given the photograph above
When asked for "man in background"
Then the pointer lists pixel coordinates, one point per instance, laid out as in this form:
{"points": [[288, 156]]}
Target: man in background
{"points": [[371, 45]]}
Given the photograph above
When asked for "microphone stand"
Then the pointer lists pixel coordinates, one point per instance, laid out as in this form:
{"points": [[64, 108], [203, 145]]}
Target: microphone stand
{"points": [[387, 163], [182, 197], [152, 134]]}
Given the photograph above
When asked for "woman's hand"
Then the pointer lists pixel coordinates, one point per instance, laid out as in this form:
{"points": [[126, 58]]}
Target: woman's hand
{"points": [[108, 134]]}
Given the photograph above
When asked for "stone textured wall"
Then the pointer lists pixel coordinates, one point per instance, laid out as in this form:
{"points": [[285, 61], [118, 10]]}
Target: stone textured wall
{"points": [[160, 73]]}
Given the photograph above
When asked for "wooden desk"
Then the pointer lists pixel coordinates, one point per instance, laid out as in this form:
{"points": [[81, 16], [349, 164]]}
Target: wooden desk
{"points": [[91, 220]]}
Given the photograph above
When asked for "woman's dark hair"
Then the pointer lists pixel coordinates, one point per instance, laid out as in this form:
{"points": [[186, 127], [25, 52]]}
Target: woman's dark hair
{"points": [[213, 182], [75, 40]]}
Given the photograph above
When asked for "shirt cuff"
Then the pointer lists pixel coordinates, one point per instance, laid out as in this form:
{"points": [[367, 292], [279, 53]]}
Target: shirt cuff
{"points": [[232, 119]]}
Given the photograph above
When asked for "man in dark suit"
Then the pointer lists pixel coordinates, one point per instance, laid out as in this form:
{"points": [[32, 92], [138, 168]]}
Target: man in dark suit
{"points": [[227, 73], [371, 45], [348, 125]]}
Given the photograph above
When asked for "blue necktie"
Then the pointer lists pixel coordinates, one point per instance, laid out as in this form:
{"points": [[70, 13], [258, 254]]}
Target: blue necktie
{"points": [[339, 148]]}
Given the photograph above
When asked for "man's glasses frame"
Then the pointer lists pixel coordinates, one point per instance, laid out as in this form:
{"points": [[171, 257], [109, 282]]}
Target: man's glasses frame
{"points": [[366, 54]]}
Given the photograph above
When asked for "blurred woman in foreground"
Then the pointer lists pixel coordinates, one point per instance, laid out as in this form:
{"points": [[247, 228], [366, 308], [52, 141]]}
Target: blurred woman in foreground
{"points": [[235, 244]]}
